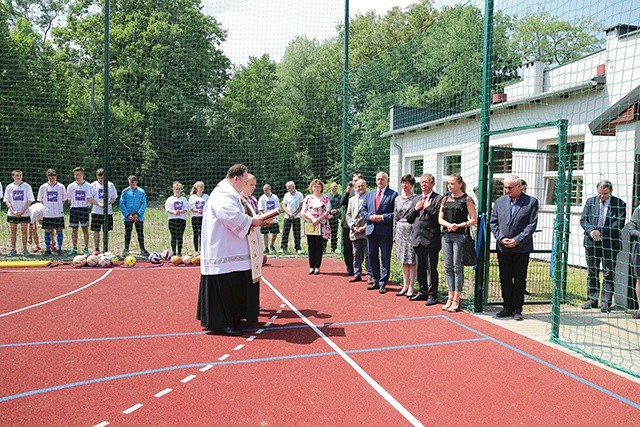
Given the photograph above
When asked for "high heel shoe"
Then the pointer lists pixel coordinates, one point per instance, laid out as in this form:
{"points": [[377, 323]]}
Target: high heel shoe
{"points": [[447, 305], [409, 295], [316, 271], [311, 270], [401, 293], [455, 306]]}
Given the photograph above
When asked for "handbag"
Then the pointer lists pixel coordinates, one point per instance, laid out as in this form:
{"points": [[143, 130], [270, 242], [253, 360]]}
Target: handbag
{"points": [[469, 255], [310, 230]]}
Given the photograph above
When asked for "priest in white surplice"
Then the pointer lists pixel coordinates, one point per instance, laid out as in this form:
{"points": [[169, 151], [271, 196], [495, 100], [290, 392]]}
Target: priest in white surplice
{"points": [[231, 259]]}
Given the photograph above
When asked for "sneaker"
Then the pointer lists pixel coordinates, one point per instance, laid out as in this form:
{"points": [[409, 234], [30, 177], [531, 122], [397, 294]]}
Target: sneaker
{"points": [[52, 246], [273, 249], [125, 253], [266, 250], [85, 251], [588, 305], [60, 253], [73, 251], [144, 252], [47, 252], [13, 252], [299, 251], [25, 253], [636, 315], [96, 252], [37, 249]]}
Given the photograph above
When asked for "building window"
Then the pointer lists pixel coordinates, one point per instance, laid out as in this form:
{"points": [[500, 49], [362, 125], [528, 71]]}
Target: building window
{"points": [[417, 169], [502, 164], [451, 163], [551, 173]]}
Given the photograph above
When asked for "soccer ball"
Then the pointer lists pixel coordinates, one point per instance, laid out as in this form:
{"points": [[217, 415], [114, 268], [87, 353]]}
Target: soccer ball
{"points": [[114, 260], [103, 261], [166, 254], [155, 258], [195, 260], [186, 259], [176, 260], [92, 260], [79, 261], [130, 261], [108, 254]]}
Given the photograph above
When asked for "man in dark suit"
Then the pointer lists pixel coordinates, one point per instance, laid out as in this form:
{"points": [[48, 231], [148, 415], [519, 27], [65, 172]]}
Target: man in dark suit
{"points": [[514, 219], [426, 240], [602, 219], [377, 210]]}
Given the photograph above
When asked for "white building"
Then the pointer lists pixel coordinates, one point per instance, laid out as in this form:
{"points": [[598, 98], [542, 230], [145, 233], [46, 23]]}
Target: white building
{"points": [[597, 94]]}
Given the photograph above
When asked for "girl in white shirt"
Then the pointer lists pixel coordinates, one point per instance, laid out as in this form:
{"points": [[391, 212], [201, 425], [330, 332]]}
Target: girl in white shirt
{"points": [[177, 207], [197, 201]]}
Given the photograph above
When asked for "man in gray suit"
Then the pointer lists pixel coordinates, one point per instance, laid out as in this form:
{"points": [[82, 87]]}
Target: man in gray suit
{"points": [[513, 221], [357, 233]]}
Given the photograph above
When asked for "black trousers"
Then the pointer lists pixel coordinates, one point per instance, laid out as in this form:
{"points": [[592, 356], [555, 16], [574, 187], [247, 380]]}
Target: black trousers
{"points": [[128, 228], [316, 246], [176, 228], [196, 224], [347, 251], [513, 279], [427, 269], [287, 225], [598, 255]]}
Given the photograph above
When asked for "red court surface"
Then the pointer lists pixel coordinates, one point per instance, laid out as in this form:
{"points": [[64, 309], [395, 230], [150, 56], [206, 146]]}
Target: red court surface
{"points": [[91, 347]]}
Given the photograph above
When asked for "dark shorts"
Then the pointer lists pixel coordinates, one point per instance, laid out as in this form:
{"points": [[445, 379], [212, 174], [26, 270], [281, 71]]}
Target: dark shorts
{"points": [[53, 223], [274, 229], [18, 219], [98, 219], [79, 217]]}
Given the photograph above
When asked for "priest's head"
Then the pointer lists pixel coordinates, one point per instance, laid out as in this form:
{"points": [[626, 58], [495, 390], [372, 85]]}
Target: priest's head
{"points": [[237, 176]]}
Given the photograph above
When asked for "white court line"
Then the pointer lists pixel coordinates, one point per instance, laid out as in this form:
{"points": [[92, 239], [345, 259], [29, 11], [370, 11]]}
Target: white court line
{"points": [[59, 296], [267, 324], [274, 317], [259, 331], [187, 378], [238, 347], [163, 392], [251, 338], [377, 387], [133, 408], [205, 368], [224, 357], [279, 311], [102, 424]]}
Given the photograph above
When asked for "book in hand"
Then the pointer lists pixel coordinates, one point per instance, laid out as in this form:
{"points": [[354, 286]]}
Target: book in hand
{"points": [[270, 214]]}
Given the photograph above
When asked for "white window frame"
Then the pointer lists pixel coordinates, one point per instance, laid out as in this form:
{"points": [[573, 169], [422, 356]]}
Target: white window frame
{"points": [[550, 176], [444, 177]]}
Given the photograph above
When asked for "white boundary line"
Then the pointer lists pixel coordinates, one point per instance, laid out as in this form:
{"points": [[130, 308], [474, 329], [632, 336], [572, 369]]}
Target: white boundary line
{"points": [[377, 387], [59, 296]]}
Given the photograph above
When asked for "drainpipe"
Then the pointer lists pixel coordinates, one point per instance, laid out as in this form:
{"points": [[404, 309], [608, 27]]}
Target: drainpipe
{"points": [[399, 148]]}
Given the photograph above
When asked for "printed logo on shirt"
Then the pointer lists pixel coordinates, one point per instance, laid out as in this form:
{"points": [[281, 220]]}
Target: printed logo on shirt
{"points": [[271, 204], [81, 195], [18, 195], [177, 206], [52, 196], [101, 193], [199, 204]]}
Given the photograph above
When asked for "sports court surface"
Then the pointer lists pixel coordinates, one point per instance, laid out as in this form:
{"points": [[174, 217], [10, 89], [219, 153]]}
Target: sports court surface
{"points": [[121, 346]]}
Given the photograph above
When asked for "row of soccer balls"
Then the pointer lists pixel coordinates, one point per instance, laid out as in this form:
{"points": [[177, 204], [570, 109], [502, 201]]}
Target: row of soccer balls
{"points": [[108, 259]]}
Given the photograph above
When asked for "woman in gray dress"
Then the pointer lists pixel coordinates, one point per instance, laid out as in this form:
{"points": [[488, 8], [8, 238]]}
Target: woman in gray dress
{"points": [[402, 234]]}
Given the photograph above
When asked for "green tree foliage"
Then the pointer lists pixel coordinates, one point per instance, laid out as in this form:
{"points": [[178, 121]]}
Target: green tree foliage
{"points": [[167, 73], [545, 37]]}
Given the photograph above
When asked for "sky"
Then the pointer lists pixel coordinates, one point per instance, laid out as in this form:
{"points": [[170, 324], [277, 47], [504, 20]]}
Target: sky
{"points": [[256, 27]]}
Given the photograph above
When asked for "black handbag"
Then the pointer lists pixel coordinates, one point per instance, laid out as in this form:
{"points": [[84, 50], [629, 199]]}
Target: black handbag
{"points": [[469, 255]]}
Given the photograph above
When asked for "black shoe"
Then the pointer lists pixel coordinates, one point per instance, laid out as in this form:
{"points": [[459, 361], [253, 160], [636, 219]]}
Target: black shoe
{"points": [[419, 297], [383, 290], [144, 252], [431, 301], [228, 331], [350, 273], [505, 313], [373, 286], [605, 308], [526, 292], [589, 305], [518, 316]]}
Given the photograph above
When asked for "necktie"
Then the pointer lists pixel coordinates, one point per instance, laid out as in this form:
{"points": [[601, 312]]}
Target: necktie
{"points": [[378, 197], [603, 214]]}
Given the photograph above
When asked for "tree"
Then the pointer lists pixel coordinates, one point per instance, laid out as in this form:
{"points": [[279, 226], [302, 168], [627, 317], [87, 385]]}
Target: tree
{"points": [[545, 37]]}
